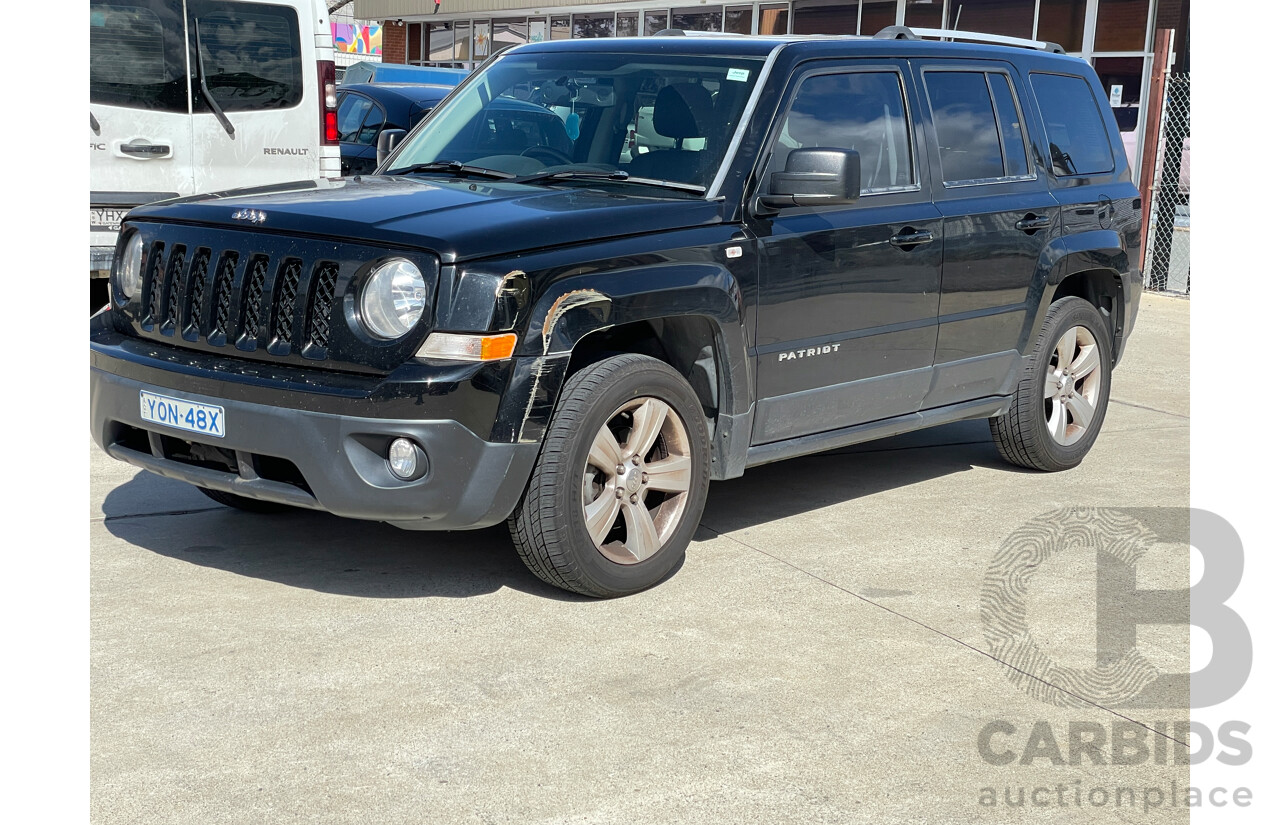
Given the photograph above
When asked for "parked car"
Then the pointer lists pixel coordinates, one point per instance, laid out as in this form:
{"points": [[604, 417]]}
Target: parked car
{"points": [[521, 323], [179, 104], [366, 109]]}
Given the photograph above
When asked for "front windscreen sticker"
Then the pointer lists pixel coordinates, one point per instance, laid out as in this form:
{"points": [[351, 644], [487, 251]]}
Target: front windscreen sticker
{"points": [[738, 74]]}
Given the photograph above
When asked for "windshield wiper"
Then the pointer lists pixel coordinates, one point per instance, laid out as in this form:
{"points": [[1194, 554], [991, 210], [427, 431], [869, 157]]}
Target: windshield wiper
{"points": [[204, 86], [616, 175], [454, 167]]}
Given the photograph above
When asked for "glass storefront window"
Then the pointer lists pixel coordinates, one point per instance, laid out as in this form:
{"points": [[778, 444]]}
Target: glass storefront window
{"points": [[826, 17], [462, 41], [774, 18], [1012, 18], [876, 14], [1122, 26], [655, 21], [440, 42], [560, 28], [1062, 22], [923, 14], [593, 25], [512, 31], [698, 18], [737, 19], [628, 24]]}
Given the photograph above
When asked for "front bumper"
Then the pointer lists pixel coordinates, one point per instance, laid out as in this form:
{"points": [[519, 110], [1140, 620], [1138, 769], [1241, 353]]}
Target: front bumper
{"points": [[319, 460]]}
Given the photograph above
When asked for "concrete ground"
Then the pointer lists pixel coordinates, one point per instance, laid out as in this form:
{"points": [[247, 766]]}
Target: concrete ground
{"points": [[820, 656]]}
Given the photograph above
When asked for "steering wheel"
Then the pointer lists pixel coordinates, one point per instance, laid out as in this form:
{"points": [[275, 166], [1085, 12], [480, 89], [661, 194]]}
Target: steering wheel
{"points": [[546, 152]]}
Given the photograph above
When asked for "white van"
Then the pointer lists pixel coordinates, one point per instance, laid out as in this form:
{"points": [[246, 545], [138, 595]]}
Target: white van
{"points": [[191, 96]]}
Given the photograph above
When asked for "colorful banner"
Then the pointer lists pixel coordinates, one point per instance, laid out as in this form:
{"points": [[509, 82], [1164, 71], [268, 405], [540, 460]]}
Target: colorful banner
{"points": [[352, 39]]}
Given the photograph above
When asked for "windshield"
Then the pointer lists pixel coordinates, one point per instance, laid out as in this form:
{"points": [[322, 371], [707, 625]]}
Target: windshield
{"points": [[590, 116]]}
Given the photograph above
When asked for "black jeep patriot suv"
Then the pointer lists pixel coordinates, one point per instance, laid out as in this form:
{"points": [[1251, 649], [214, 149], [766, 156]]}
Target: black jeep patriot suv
{"points": [[537, 320]]}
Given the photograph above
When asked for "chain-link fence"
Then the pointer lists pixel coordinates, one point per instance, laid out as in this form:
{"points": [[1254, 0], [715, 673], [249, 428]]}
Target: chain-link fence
{"points": [[1168, 249]]}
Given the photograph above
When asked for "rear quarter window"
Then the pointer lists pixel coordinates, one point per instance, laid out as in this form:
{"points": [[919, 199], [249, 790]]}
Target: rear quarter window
{"points": [[1078, 142]]}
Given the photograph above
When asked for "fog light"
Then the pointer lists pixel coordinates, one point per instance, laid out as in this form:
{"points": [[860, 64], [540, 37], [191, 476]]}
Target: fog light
{"points": [[405, 459]]}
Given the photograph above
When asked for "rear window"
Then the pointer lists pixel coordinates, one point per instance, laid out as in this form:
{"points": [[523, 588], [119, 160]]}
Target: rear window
{"points": [[1078, 143], [251, 54], [137, 55]]}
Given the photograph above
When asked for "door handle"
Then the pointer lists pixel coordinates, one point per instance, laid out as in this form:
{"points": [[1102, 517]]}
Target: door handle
{"points": [[909, 238], [145, 150], [1032, 224]]}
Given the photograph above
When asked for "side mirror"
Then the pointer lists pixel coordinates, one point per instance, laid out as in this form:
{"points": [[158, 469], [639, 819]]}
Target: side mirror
{"points": [[388, 140], [815, 177]]}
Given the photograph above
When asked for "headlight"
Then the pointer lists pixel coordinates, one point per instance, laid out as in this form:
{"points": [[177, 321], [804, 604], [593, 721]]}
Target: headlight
{"points": [[129, 268], [393, 299]]}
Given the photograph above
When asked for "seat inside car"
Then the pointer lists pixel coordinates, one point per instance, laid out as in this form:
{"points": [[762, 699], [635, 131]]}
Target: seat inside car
{"points": [[680, 112]]}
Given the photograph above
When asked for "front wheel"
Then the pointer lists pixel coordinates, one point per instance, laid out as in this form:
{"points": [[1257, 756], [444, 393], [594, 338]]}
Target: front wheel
{"points": [[1059, 404], [619, 487]]}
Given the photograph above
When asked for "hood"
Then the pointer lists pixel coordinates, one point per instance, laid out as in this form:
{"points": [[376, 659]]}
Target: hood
{"points": [[458, 219]]}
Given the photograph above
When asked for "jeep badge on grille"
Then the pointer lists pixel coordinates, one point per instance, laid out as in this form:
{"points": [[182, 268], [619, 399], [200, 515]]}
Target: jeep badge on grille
{"points": [[251, 215]]}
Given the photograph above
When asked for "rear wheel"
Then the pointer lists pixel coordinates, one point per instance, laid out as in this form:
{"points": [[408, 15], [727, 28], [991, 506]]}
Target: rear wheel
{"points": [[249, 505], [1061, 400], [619, 487]]}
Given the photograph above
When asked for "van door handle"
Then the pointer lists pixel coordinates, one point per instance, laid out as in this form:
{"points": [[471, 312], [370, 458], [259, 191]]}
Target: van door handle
{"points": [[1032, 224], [146, 150], [909, 238]]}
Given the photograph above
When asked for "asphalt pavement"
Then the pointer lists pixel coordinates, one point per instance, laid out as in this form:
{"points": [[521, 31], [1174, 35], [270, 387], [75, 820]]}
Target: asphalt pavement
{"points": [[824, 654]]}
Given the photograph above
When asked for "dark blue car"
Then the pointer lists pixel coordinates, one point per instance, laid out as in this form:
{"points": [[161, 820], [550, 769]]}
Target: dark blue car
{"points": [[366, 109]]}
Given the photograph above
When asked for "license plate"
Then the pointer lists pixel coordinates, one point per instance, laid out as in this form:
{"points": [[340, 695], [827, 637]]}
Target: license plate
{"points": [[183, 415], [101, 220]]}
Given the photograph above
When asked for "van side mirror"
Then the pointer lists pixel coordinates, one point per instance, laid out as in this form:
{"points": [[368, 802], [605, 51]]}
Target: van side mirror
{"points": [[815, 177], [388, 140]]}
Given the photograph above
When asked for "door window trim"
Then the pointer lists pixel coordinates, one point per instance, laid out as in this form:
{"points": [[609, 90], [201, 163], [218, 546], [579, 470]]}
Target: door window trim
{"points": [[985, 70], [885, 196]]}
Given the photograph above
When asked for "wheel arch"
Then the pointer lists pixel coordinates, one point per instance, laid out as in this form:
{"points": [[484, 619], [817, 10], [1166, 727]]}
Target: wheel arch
{"points": [[1090, 266]]}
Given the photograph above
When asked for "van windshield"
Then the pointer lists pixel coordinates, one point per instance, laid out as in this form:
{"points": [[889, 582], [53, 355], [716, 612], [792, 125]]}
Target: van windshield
{"points": [[589, 116]]}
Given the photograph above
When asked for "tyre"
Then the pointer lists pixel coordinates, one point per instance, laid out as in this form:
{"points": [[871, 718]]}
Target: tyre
{"points": [[1061, 399], [619, 486], [249, 505]]}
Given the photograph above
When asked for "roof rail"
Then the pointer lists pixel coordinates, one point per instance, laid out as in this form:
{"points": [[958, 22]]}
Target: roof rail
{"points": [[905, 33], [695, 33]]}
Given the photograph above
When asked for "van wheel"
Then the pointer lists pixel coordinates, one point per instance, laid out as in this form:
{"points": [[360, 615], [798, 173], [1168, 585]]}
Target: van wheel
{"points": [[1061, 400], [619, 486], [249, 505]]}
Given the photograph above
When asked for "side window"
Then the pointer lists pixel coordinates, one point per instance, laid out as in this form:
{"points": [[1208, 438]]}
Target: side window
{"points": [[863, 111], [1011, 134], [137, 55], [1078, 143], [351, 113], [964, 119], [252, 53], [372, 126]]}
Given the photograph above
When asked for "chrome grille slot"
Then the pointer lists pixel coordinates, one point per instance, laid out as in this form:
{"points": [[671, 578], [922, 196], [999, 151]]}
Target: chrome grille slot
{"points": [[223, 283], [155, 284], [323, 281], [173, 288], [251, 301], [283, 308], [193, 309]]}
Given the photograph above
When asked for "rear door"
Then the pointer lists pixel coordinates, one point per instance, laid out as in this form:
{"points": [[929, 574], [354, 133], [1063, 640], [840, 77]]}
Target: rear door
{"points": [[260, 72], [140, 137], [999, 215], [848, 294]]}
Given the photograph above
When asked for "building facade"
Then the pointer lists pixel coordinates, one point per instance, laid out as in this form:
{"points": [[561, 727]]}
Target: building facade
{"points": [[1117, 36]]}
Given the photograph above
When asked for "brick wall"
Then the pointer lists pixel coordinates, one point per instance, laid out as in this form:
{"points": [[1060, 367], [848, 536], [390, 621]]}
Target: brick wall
{"points": [[393, 41]]}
